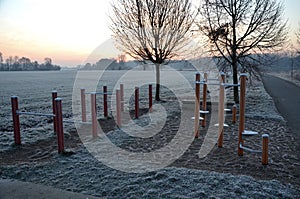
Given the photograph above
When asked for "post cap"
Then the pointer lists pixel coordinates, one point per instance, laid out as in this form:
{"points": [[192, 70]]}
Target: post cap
{"points": [[265, 135], [58, 99]]}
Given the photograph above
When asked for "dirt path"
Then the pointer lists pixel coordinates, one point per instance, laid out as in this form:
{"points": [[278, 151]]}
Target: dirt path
{"points": [[286, 96]]}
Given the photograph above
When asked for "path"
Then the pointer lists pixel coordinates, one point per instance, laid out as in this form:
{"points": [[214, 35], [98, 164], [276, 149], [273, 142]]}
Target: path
{"points": [[11, 189], [286, 96]]}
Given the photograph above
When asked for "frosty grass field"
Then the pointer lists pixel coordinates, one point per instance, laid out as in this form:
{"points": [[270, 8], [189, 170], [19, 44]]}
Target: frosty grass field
{"points": [[81, 172]]}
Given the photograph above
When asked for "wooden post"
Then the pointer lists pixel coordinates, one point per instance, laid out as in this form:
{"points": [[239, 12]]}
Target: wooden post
{"points": [[204, 103], [197, 106], [60, 127], [150, 97], [16, 119], [105, 111], [94, 114], [122, 96], [221, 115], [54, 96], [234, 114], [243, 78], [118, 108], [83, 105], [136, 102], [265, 143], [222, 77]]}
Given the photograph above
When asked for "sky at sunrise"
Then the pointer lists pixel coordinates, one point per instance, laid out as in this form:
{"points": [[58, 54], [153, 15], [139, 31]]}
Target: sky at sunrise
{"points": [[68, 31]]}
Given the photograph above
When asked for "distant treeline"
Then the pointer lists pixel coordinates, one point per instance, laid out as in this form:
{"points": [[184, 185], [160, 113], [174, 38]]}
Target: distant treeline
{"points": [[25, 64], [268, 62], [114, 64]]}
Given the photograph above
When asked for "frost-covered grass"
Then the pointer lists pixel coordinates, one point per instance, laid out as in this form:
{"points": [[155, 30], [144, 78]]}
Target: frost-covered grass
{"points": [[81, 172]]}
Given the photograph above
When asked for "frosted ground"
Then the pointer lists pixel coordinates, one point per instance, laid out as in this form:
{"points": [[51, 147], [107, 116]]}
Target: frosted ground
{"points": [[81, 172]]}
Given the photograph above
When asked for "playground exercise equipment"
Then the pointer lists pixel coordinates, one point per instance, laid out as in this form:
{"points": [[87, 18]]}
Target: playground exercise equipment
{"points": [[221, 117], [119, 105], [243, 133], [120, 102], [57, 120]]}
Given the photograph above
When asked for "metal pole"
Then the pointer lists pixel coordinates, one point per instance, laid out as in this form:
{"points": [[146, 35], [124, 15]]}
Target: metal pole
{"points": [[136, 102], [150, 97], [16, 119], [60, 128], [83, 105], [243, 78], [105, 101], [54, 96], [94, 114], [197, 106], [265, 143]]}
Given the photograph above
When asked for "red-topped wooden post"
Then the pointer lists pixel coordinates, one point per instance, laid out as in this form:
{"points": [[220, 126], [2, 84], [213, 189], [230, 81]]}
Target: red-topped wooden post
{"points": [[60, 128], [243, 78], [83, 105], [16, 119], [265, 143], [54, 96], [105, 111], [223, 77], [136, 102], [197, 106]]}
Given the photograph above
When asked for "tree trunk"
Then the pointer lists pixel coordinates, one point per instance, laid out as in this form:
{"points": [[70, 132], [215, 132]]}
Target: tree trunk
{"points": [[157, 92], [235, 81], [234, 56]]}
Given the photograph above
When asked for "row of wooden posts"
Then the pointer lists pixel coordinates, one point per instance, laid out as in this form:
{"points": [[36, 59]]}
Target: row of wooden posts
{"points": [[221, 111], [58, 117], [119, 105]]}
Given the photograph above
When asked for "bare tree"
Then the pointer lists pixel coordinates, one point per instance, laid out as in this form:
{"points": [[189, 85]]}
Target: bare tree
{"points": [[1, 58], [298, 37], [239, 31], [48, 61], [152, 30]]}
